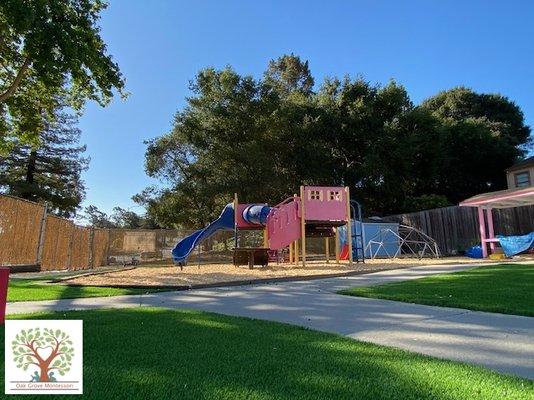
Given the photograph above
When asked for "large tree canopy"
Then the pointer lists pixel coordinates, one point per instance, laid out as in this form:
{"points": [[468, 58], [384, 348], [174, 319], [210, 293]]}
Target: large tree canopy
{"points": [[482, 135], [47, 47], [263, 138], [51, 173]]}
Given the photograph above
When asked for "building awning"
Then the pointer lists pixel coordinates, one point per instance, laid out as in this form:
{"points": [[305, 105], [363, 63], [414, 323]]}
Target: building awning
{"points": [[502, 199]]}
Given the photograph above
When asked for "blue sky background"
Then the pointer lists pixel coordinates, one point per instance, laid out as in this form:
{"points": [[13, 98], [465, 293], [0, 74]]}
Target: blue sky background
{"points": [[427, 46]]}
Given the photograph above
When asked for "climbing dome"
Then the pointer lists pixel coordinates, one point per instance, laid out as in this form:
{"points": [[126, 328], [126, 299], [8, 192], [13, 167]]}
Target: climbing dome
{"points": [[407, 241]]}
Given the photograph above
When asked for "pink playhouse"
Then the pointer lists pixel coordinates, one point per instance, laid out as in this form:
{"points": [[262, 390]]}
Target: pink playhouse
{"points": [[317, 211]]}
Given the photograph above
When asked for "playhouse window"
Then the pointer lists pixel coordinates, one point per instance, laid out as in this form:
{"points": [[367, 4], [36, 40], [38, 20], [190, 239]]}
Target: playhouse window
{"points": [[315, 195], [334, 195]]}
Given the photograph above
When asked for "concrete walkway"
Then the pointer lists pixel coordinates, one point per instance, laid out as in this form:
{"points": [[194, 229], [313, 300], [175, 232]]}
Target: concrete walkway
{"points": [[501, 342]]}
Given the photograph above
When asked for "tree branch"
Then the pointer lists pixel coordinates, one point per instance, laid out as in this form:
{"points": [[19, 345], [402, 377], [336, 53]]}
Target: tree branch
{"points": [[32, 348], [27, 354], [13, 87], [55, 351]]}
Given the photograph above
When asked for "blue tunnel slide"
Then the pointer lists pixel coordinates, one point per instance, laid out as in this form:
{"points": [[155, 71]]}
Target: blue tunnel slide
{"points": [[253, 214]]}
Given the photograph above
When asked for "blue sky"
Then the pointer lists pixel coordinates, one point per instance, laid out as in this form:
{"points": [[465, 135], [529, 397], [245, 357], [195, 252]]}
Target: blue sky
{"points": [[427, 46]]}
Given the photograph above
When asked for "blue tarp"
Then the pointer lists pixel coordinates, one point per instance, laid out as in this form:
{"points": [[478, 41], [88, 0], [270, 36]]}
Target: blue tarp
{"points": [[513, 245]]}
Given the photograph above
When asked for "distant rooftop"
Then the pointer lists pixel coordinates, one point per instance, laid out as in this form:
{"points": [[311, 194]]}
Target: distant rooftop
{"points": [[521, 164]]}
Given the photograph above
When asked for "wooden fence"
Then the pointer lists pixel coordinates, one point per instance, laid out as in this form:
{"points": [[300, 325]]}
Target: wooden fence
{"points": [[456, 228], [30, 239]]}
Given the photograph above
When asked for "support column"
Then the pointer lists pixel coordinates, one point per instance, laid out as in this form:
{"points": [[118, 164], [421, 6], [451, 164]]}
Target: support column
{"points": [[327, 249], [235, 220], [91, 247], [482, 229], [108, 245], [265, 238], [303, 225], [336, 244], [296, 255], [491, 232], [349, 225], [40, 243], [290, 253]]}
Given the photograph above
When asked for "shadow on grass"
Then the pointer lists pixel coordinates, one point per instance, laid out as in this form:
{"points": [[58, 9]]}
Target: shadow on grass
{"points": [[34, 290], [158, 354]]}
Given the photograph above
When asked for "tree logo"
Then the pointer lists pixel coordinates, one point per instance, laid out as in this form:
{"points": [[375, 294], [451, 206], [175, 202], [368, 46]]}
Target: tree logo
{"points": [[43, 356], [47, 350]]}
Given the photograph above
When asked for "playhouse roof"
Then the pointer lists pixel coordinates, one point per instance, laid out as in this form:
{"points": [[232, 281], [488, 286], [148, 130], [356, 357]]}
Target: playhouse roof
{"points": [[502, 199]]}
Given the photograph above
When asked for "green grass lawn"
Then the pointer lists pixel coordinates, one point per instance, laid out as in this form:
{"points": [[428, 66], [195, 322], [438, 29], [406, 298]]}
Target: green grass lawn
{"points": [[504, 288], [27, 290], [161, 354]]}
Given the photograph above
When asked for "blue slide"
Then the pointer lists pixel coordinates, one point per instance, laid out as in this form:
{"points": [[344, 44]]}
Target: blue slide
{"points": [[185, 246]]}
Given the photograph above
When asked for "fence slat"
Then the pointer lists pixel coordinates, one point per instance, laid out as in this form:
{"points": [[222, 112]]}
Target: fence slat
{"points": [[19, 231], [28, 236]]}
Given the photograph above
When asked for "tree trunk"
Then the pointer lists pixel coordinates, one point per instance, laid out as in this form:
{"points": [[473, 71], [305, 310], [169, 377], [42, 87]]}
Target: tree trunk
{"points": [[43, 377], [30, 170], [18, 79]]}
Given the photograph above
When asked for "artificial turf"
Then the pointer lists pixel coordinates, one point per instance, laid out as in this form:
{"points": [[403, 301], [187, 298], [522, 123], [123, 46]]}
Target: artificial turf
{"points": [[147, 353], [503, 288], [28, 290]]}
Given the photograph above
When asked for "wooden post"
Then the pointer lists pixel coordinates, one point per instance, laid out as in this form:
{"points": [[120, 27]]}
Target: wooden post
{"points": [[296, 242], [290, 253], [40, 243], [91, 247], [337, 245], [108, 245], [235, 220], [198, 258], [327, 249], [69, 254], [349, 227], [265, 238], [303, 225]]}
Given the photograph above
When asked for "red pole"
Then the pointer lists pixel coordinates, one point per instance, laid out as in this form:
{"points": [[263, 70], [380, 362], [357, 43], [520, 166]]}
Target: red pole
{"points": [[4, 279]]}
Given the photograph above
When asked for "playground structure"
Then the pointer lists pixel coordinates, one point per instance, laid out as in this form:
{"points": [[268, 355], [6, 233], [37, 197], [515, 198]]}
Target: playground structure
{"points": [[402, 241], [318, 211]]}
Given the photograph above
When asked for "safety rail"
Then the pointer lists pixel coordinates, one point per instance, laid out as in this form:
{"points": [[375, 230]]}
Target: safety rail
{"points": [[283, 223]]}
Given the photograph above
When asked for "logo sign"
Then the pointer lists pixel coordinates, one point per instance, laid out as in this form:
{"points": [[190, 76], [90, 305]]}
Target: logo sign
{"points": [[44, 357]]}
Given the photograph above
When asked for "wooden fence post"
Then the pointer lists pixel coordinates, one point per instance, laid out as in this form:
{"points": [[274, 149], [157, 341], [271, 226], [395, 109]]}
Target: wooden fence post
{"points": [[91, 247], [40, 243], [108, 244], [71, 239]]}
